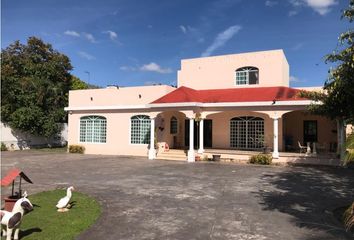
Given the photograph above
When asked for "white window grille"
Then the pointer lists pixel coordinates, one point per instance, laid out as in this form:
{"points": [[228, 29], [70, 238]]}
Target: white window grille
{"points": [[247, 76], [140, 129], [93, 129], [173, 125], [247, 132]]}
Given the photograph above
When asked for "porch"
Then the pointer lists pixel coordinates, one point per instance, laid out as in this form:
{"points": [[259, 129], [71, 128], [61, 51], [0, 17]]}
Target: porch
{"points": [[238, 134], [239, 156]]}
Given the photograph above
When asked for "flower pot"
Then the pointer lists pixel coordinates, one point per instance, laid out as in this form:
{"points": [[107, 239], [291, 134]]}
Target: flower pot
{"points": [[216, 157], [197, 158], [10, 202], [266, 150]]}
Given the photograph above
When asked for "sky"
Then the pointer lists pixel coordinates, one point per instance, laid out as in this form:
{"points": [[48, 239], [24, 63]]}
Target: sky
{"points": [[141, 42]]}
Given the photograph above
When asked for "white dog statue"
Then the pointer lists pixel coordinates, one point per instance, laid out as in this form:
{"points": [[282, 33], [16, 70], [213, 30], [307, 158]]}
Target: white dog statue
{"points": [[11, 221]]}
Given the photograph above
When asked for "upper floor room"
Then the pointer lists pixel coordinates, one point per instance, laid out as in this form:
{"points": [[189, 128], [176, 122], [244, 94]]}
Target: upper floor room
{"points": [[253, 69]]}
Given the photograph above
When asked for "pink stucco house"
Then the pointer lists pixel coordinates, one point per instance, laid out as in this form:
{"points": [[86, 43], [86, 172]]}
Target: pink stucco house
{"points": [[231, 104]]}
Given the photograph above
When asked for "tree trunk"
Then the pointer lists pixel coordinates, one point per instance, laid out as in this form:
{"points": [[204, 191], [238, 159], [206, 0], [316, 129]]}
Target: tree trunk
{"points": [[341, 139]]}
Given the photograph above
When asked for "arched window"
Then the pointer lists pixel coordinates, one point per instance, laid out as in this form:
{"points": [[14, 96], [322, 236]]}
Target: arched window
{"points": [[173, 125], [247, 76], [140, 129], [93, 129], [247, 132]]}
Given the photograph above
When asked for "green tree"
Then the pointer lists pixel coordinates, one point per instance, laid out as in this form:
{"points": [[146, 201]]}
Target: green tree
{"points": [[77, 84], [338, 96], [35, 80]]}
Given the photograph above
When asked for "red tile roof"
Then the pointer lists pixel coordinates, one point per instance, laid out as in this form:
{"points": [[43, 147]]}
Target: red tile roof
{"points": [[184, 94]]}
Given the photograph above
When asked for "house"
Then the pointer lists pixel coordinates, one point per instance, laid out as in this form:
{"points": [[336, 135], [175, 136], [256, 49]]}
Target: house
{"points": [[239, 101]]}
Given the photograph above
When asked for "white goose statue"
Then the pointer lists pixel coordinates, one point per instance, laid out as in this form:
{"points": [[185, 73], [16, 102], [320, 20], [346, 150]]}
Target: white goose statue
{"points": [[63, 204]]}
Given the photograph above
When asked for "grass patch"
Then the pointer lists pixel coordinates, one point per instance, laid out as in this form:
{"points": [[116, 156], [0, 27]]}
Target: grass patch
{"points": [[44, 222]]}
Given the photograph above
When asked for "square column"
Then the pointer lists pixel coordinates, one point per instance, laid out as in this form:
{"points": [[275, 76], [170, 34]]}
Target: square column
{"points": [[191, 156], [201, 136], [275, 140], [152, 151]]}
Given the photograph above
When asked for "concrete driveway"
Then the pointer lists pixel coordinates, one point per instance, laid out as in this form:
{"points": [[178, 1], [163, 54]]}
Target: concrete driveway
{"points": [[144, 199]]}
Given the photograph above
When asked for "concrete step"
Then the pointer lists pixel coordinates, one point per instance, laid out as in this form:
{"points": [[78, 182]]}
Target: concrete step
{"points": [[175, 151], [172, 154], [172, 158]]}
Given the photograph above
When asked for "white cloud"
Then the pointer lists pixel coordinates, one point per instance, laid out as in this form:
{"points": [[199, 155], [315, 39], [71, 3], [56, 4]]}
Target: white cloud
{"points": [[221, 39], [153, 67], [72, 33], [86, 55], [322, 7], [292, 13], [294, 79], [112, 35], [127, 68], [270, 3], [183, 29], [186, 29], [89, 37], [150, 67], [201, 40], [297, 46], [296, 3]]}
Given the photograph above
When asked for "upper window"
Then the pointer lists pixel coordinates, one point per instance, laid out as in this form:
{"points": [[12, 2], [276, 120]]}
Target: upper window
{"points": [[173, 125], [93, 129], [140, 129], [247, 76]]}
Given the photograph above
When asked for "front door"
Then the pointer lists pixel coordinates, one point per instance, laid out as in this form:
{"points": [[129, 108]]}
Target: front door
{"points": [[310, 131], [208, 133]]}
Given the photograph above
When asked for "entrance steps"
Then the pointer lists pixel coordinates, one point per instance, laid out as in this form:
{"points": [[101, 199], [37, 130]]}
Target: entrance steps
{"points": [[173, 154]]}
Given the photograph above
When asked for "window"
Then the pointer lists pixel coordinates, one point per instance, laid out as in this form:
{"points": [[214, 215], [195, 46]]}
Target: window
{"points": [[93, 129], [247, 76], [173, 125], [140, 129], [246, 132]]}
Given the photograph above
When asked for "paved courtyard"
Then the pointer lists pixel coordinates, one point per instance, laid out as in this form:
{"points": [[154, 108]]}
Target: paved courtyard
{"points": [[144, 199]]}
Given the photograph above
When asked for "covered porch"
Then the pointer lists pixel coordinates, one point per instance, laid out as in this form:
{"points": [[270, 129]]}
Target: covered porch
{"points": [[241, 133], [234, 126]]}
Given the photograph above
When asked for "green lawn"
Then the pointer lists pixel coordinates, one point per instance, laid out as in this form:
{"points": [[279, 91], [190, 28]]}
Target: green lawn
{"points": [[44, 222]]}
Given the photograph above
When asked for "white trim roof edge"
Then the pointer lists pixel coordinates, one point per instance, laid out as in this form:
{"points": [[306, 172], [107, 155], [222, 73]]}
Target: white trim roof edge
{"points": [[196, 104]]}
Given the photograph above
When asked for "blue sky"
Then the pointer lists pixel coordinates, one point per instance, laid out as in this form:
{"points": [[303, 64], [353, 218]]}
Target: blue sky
{"points": [[131, 42]]}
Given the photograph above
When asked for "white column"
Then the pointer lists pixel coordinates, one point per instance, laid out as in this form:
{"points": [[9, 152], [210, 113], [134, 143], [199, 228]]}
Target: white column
{"points": [[201, 136], [314, 150], [152, 151], [275, 140], [191, 157]]}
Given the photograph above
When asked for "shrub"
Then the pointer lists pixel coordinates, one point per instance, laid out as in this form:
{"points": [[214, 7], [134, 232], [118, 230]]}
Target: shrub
{"points": [[76, 149], [349, 218], [205, 157], [261, 158], [4, 147], [349, 156]]}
